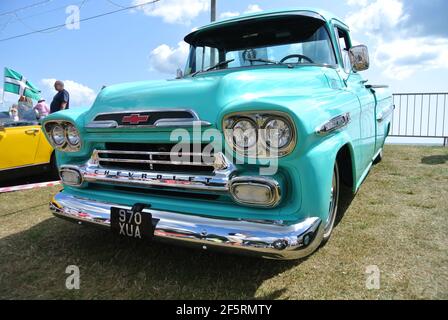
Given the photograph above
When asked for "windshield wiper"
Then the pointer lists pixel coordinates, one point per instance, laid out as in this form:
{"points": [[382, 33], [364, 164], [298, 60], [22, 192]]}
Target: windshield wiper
{"points": [[219, 64], [270, 61], [262, 60]]}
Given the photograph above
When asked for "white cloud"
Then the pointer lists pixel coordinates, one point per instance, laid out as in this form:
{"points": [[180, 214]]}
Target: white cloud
{"points": [[174, 11], [166, 59], [395, 49], [403, 58], [252, 8], [376, 17], [80, 95], [229, 14], [357, 2]]}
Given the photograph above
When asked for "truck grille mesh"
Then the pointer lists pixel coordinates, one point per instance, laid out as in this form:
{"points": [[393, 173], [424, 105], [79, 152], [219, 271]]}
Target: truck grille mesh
{"points": [[155, 157]]}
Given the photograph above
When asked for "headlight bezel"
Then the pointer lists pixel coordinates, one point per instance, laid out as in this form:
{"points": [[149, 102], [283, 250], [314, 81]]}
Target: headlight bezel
{"points": [[66, 145], [261, 118]]}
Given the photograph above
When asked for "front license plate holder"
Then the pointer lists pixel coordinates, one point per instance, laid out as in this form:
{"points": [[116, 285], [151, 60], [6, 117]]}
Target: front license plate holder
{"points": [[133, 224]]}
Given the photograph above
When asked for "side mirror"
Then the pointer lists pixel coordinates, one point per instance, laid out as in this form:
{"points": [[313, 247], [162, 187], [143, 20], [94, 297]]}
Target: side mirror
{"points": [[359, 58], [2, 127], [179, 74]]}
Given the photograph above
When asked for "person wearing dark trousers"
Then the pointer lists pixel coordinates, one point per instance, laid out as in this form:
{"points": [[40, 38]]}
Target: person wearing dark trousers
{"points": [[61, 100]]}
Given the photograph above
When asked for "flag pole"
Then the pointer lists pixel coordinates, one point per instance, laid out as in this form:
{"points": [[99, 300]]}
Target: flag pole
{"points": [[213, 11], [3, 91]]}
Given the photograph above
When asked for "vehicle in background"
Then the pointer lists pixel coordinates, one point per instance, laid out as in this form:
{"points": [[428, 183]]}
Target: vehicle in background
{"points": [[24, 150]]}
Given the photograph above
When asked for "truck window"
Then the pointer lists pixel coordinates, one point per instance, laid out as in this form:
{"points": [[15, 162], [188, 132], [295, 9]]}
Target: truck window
{"points": [[344, 46]]}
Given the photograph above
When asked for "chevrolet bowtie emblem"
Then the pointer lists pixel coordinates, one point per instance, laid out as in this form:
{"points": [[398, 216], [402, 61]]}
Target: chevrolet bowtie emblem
{"points": [[135, 118]]}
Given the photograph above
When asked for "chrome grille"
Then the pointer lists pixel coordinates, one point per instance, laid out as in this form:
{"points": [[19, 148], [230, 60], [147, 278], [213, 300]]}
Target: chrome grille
{"points": [[157, 158]]}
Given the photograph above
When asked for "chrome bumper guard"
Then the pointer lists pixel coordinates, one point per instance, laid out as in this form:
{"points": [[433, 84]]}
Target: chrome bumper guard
{"points": [[261, 238]]}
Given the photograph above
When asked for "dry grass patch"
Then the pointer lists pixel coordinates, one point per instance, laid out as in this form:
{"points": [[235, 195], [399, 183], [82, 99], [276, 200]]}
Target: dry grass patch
{"points": [[397, 221]]}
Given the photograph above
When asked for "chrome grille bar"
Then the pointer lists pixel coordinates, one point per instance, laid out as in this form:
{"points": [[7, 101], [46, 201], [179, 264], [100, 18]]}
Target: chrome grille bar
{"points": [[217, 162], [168, 162], [156, 153]]}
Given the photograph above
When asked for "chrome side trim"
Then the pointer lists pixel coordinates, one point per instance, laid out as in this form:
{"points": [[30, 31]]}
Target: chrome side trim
{"points": [[267, 239], [333, 124]]}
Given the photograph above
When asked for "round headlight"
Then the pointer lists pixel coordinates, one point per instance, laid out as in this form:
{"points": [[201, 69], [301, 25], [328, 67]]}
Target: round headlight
{"points": [[72, 135], [278, 133], [244, 134], [57, 134]]}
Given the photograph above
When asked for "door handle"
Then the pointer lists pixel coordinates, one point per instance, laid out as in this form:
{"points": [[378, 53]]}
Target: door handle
{"points": [[32, 131]]}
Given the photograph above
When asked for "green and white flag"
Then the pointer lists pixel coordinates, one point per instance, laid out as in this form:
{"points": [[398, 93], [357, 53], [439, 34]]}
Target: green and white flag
{"points": [[17, 84]]}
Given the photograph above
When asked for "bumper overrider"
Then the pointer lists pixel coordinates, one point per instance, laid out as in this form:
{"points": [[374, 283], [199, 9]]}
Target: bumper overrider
{"points": [[261, 238]]}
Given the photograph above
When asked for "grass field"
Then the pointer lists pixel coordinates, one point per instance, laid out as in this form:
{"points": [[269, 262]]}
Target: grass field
{"points": [[398, 221]]}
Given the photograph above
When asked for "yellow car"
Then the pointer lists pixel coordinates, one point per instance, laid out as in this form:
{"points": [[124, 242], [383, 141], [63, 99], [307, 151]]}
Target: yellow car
{"points": [[24, 150]]}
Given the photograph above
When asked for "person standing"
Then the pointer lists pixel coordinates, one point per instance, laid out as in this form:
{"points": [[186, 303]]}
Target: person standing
{"points": [[42, 108], [61, 100]]}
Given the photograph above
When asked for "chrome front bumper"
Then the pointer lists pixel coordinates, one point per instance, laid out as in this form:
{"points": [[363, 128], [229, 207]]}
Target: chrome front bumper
{"points": [[262, 238]]}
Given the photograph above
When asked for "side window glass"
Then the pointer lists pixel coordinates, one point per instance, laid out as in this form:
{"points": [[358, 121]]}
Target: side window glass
{"points": [[344, 45], [19, 114]]}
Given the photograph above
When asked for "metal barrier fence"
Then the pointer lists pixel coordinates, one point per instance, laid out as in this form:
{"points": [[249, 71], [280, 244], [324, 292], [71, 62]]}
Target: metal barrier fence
{"points": [[420, 115]]}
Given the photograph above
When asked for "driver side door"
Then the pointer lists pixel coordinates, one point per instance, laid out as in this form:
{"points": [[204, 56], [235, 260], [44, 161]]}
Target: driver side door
{"points": [[356, 84], [18, 145]]}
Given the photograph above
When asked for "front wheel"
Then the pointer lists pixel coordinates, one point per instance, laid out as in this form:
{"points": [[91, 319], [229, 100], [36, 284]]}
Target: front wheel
{"points": [[334, 201]]}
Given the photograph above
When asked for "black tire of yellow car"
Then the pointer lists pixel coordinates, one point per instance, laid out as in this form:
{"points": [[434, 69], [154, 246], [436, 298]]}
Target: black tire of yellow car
{"points": [[334, 204], [54, 172]]}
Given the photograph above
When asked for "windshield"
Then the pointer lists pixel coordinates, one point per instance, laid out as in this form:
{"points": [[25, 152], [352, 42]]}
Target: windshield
{"points": [[291, 40], [19, 114]]}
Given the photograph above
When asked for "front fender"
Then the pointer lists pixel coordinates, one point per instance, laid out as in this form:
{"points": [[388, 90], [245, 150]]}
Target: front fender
{"points": [[316, 171]]}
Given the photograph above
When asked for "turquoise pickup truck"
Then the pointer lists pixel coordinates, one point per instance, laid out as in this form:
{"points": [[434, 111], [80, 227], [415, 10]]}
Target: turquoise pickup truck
{"points": [[245, 151]]}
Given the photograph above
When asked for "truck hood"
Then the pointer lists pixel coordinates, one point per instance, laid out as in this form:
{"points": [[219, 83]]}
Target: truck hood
{"points": [[209, 93]]}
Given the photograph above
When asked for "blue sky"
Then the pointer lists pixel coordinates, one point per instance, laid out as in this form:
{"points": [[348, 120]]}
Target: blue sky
{"points": [[408, 40]]}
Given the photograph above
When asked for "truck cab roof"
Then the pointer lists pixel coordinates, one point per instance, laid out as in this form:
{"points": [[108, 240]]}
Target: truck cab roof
{"points": [[305, 11]]}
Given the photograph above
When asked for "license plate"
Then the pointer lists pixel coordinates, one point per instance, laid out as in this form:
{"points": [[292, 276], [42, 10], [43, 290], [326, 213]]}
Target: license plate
{"points": [[136, 225]]}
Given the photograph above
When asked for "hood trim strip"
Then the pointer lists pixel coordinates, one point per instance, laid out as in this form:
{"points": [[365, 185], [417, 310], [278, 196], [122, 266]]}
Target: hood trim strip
{"points": [[160, 123]]}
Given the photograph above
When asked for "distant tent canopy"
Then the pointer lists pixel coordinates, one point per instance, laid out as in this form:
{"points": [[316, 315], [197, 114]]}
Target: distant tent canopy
{"points": [[16, 83]]}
